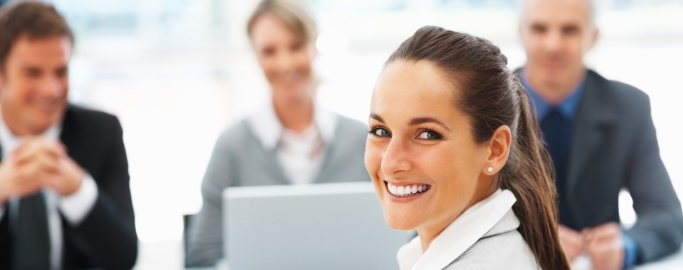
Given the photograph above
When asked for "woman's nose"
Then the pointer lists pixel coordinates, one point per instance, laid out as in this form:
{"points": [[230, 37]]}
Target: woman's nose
{"points": [[285, 62], [396, 158]]}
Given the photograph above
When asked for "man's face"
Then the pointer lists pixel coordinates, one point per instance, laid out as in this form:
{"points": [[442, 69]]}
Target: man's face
{"points": [[556, 34], [34, 84]]}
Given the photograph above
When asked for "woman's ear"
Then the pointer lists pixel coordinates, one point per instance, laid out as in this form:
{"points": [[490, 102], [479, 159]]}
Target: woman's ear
{"points": [[499, 149]]}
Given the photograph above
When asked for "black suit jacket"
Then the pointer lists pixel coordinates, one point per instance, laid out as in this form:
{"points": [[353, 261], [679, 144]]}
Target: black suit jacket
{"points": [[614, 146], [106, 238]]}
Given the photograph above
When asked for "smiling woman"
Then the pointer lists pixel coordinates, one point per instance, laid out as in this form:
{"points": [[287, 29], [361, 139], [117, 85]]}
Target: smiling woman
{"points": [[290, 141], [454, 152]]}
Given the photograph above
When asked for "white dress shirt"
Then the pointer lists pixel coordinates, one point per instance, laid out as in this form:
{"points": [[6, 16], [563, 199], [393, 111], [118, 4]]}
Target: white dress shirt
{"points": [[74, 207], [299, 154], [459, 236]]}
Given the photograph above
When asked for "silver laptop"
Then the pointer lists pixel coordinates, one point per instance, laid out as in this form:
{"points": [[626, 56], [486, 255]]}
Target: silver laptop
{"points": [[319, 226]]}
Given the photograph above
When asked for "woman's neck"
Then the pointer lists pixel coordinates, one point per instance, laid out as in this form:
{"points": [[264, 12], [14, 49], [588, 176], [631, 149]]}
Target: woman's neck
{"points": [[295, 115], [427, 235]]}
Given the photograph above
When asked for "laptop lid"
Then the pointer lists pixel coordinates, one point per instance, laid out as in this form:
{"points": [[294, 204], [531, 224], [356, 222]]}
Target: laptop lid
{"points": [[318, 226]]}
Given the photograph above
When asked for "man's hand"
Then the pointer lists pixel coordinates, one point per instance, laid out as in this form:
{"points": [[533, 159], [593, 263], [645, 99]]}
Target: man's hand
{"points": [[604, 246], [21, 172], [39, 162], [572, 242], [16, 180], [60, 172], [68, 177]]}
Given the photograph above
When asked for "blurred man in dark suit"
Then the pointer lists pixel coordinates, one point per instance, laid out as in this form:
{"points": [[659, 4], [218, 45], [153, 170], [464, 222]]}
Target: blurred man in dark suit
{"points": [[602, 140], [64, 194]]}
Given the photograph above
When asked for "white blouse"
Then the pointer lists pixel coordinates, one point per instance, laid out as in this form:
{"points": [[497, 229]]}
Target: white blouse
{"points": [[459, 236], [300, 155]]}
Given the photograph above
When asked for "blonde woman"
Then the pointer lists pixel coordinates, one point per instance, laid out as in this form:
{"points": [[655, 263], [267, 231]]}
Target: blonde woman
{"points": [[290, 141]]}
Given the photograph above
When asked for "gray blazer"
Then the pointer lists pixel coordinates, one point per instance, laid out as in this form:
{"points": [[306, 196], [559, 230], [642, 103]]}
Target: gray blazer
{"points": [[614, 146], [239, 159], [502, 247]]}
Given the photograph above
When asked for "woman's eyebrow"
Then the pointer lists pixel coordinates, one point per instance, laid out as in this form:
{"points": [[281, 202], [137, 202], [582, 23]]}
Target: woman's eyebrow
{"points": [[422, 120], [377, 117]]}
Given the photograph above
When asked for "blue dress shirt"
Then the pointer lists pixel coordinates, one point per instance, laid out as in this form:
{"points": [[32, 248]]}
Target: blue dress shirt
{"points": [[568, 108]]}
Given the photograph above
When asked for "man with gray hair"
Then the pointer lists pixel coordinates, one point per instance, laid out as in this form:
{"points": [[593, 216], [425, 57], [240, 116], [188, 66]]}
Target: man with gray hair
{"points": [[602, 140]]}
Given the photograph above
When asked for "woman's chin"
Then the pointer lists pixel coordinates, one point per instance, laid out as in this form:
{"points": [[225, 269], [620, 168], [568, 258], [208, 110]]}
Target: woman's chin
{"points": [[399, 220]]}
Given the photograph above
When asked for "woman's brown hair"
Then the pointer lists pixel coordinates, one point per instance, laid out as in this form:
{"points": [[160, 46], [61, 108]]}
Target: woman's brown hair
{"points": [[492, 96]]}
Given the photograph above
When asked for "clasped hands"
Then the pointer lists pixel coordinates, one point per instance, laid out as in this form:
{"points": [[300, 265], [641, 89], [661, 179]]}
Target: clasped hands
{"points": [[602, 243], [38, 162]]}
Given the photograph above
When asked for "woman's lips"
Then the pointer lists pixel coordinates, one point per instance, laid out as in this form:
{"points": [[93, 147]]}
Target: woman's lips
{"points": [[408, 190]]}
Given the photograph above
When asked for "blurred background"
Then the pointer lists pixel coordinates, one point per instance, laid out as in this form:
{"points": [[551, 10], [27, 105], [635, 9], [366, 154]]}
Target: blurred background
{"points": [[179, 72]]}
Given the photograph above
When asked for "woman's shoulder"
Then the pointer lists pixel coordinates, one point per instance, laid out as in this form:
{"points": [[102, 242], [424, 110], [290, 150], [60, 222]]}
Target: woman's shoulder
{"points": [[235, 136], [348, 128], [502, 247], [500, 251]]}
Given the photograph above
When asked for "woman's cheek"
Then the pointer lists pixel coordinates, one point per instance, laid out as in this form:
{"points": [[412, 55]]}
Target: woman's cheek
{"points": [[304, 65], [373, 158], [269, 70]]}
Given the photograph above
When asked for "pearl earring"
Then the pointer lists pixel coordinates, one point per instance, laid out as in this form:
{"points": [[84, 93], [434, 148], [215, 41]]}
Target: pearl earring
{"points": [[490, 169]]}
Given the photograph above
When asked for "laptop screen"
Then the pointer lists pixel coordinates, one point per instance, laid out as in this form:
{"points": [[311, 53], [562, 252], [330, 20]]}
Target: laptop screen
{"points": [[318, 226]]}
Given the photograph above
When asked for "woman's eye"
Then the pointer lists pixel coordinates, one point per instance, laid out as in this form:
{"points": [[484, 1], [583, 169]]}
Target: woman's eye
{"points": [[380, 132], [429, 135], [268, 51], [297, 47]]}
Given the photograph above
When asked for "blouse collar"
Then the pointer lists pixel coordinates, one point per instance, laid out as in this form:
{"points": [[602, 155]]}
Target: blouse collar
{"points": [[479, 220], [268, 129]]}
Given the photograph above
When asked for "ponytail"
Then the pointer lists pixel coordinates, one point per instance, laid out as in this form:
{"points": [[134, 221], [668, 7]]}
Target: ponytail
{"points": [[529, 176]]}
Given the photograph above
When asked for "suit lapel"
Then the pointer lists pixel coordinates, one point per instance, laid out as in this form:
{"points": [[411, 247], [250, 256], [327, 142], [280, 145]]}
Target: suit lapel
{"points": [[67, 129], [71, 137], [595, 116]]}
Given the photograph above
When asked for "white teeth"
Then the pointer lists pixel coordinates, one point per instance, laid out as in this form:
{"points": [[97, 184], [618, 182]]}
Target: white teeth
{"points": [[406, 190], [393, 189]]}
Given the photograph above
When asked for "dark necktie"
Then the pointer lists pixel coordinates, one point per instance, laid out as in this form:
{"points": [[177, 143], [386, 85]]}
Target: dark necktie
{"points": [[557, 133], [31, 241]]}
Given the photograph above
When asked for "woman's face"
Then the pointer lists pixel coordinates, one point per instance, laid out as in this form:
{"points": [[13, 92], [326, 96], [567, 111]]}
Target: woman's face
{"points": [[420, 153], [284, 57]]}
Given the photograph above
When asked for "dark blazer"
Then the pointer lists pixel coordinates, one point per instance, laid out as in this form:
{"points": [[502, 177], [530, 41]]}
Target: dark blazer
{"points": [[614, 146], [106, 238]]}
